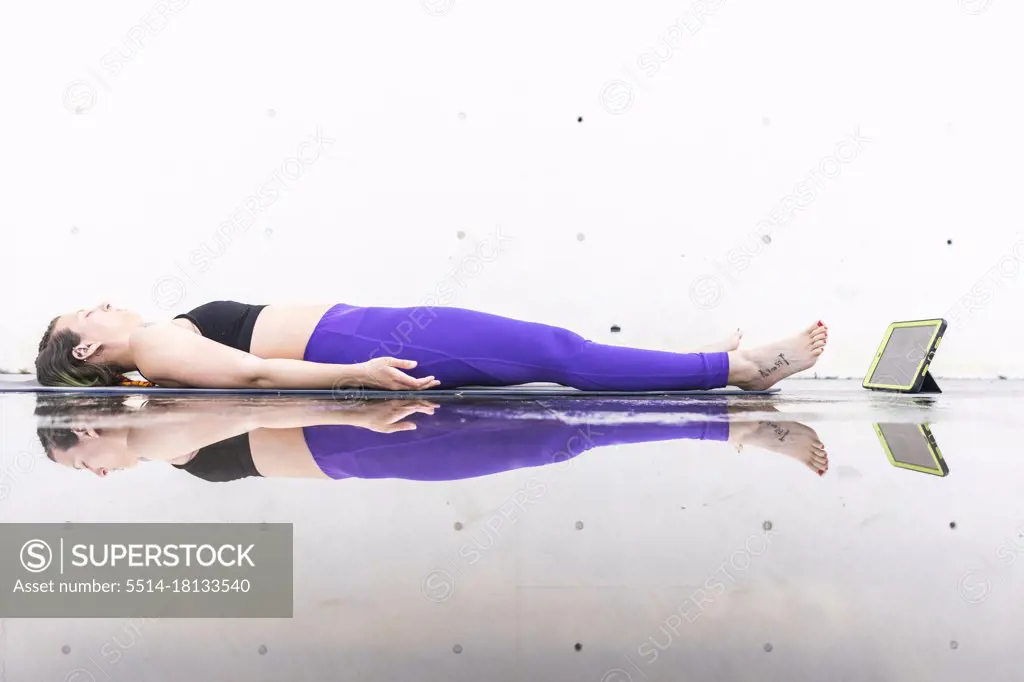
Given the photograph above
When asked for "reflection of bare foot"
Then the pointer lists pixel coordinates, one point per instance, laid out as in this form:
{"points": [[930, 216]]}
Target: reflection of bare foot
{"points": [[797, 440], [761, 368], [723, 346], [793, 438]]}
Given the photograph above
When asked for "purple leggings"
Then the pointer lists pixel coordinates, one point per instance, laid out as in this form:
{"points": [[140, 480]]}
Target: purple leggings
{"points": [[467, 348], [455, 444]]}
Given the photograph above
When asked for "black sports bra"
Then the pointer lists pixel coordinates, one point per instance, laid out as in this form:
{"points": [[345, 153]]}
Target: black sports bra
{"points": [[227, 460], [227, 322]]}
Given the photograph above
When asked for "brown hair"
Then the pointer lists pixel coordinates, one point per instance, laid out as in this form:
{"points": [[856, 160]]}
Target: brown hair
{"points": [[56, 439], [57, 417], [57, 366]]}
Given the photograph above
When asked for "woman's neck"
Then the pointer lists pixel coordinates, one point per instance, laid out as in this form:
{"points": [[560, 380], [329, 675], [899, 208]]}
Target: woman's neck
{"points": [[119, 354]]}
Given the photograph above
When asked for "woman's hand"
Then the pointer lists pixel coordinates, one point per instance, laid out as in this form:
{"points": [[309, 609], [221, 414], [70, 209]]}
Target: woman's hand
{"points": [[386, 373], [386, 416]]}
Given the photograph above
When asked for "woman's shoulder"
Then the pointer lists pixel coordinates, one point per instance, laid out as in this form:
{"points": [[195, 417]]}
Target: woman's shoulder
{"points": [[158, 349], [156, 331]]}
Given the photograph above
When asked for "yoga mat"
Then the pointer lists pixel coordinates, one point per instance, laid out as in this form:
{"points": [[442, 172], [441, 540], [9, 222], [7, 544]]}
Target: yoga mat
{"points": [[524, 391]]}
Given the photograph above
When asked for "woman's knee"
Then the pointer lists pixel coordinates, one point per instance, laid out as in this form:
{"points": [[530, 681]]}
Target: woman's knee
{"points": [[560, 344]]}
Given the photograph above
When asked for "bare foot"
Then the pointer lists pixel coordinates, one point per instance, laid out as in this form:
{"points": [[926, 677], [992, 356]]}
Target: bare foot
{"points": [[794, 439], [724, 346], [761, 368]]}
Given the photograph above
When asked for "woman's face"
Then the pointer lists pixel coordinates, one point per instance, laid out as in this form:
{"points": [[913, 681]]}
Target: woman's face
{"points": [[99, 324], [98, 453]]}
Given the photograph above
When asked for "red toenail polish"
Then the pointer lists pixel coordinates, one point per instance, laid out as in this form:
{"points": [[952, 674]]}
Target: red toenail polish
{"points": [[821, 472], [819, 323]]}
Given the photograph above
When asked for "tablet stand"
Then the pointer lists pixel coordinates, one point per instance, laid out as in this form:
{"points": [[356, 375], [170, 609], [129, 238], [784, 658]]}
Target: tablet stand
{"points": [[928, 385]]}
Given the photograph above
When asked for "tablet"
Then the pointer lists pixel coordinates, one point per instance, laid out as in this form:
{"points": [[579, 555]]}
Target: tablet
{"points": [[902, 360], [912, 446]]}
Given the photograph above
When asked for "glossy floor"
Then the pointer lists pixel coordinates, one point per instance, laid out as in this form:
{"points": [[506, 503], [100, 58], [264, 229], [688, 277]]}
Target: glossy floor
{"points": [[616, 545]]}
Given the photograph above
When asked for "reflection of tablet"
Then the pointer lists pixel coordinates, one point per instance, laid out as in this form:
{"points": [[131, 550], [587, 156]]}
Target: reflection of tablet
{"points": [[902, 360], [912, 446]]}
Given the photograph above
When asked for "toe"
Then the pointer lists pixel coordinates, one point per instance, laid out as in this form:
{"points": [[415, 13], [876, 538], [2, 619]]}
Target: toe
{"points": [[817, 351]]}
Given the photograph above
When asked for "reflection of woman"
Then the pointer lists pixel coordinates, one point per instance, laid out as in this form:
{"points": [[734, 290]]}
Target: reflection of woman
{"points": [[226, 344], [394, 439]]}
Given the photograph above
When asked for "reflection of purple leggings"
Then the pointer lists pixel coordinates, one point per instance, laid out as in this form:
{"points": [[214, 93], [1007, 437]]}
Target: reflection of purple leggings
{"points": [[466, 348], [451, 445]]}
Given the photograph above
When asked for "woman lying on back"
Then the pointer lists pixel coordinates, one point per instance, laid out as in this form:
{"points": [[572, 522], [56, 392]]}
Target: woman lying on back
{"points": [[225, 344]]}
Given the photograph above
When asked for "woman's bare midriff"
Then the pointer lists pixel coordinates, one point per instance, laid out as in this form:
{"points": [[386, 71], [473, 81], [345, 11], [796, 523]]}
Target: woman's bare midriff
{"points": [[283, 453], [282, 331]]}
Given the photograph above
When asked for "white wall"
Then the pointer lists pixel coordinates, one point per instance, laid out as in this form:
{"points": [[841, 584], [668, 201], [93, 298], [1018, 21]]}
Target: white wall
{"points": [[450, 118]]}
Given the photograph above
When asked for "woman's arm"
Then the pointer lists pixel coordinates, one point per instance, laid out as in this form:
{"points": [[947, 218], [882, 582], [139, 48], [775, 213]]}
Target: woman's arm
{"points": [[382, 416], [170, 440], [170, 355]]}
